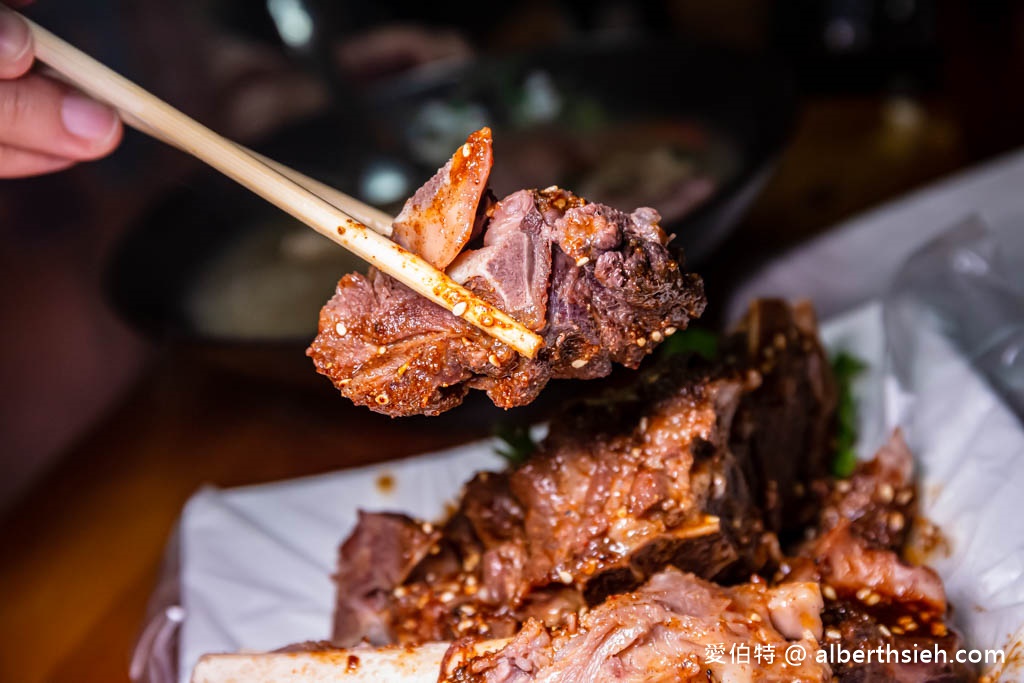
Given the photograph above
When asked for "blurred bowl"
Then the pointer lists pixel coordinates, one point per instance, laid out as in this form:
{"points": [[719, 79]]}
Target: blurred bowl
{"points": [[217, 267]]}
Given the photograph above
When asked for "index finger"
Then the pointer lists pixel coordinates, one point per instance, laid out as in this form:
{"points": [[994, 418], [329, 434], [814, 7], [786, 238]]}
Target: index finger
{"points": [[16, 51]]}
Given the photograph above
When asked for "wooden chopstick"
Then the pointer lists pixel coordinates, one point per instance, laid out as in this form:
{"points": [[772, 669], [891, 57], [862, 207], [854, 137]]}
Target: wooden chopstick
{"points": [[152, 115], [370, 216]]}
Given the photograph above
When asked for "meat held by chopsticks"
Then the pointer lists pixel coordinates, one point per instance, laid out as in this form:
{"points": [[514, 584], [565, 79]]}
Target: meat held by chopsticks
{"points": [[601, 286]]}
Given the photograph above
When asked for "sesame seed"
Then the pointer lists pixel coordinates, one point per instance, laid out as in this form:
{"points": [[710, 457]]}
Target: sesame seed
{"points": [[447, 596], [494, 360], [833, 634], [863, 593], [897, 630], [829, 592], [564, 576], [884, 631], [718, 483], [872, 599], [904, 496], [755, 617], [381, 350], [641, 342], [896, 522], [582, 261], [460, 308], [843, 486], [886, 493], [466, 150], [669, 331], [656, 336], [550, 188], [341, 329], [579, 363]]}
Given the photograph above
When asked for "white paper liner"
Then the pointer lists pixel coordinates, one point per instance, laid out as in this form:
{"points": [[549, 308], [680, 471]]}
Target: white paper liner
{"points": [[256, 561]]}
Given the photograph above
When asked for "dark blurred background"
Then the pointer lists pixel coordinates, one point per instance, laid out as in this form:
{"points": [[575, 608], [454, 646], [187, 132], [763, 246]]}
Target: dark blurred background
{"points": [[890, 94]]}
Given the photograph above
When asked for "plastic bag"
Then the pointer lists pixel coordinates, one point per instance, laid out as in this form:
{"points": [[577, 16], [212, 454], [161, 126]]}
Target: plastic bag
{"points": [[968, 286]]}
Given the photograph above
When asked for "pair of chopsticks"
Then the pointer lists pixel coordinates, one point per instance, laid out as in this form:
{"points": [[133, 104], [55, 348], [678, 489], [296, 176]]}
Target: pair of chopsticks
{"points": [[359, 228]]}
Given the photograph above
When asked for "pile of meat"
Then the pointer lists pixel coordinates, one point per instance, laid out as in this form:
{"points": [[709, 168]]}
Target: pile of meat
{"points": [[689, 512], [599, 285]]}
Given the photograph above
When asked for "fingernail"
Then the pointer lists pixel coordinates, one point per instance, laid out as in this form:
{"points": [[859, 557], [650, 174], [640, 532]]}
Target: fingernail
{"points": [[14, 36], [86, 118]]}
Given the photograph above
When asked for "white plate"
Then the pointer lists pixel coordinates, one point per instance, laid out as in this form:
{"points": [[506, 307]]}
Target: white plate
{"points": [[256, 561]]}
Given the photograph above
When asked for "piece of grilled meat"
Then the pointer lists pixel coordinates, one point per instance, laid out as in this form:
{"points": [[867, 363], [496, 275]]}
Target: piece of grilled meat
{"points": [[601, 286]]}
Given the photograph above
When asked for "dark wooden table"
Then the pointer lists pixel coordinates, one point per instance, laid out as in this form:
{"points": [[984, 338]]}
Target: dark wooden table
{"points": [[82, 551]]}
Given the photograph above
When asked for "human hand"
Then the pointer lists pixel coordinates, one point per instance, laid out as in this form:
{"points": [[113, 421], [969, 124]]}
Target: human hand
{"points": [[45, 126]]}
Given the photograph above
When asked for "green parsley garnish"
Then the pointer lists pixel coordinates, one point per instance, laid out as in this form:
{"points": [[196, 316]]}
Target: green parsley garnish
{"points": [[692, 340], [517, 444], [846, 368]]}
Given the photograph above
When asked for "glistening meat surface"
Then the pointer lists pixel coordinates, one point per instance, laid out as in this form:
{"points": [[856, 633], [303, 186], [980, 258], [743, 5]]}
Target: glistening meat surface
{"points": [[594, 557], [601, 286], [663, 632], [626, 484], [873, 597], [439, 219]]}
